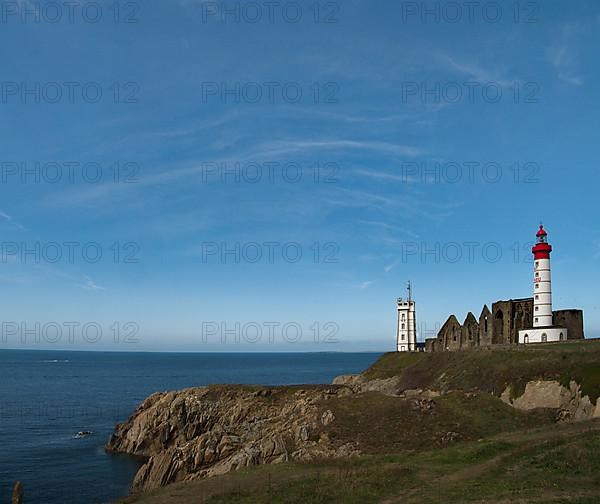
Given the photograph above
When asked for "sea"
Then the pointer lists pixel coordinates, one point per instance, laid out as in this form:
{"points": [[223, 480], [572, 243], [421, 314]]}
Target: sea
{"points": [[48, 397]]}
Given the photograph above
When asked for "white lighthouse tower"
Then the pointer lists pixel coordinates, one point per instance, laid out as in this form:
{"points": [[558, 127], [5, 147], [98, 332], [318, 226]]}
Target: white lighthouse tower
{"points": [[543, 329], [406, 340]]}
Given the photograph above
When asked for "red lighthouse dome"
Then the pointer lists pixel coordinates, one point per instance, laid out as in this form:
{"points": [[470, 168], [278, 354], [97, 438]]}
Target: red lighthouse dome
{"points": [[541, 232], [542, 248]]}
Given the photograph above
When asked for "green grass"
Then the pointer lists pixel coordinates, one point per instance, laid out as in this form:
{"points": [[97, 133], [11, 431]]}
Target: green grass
{"points": [[516, 391], [393, 364], [468, 453], [589, 379], [493, 370], [383, 424], [565, 467], [560, 465]]}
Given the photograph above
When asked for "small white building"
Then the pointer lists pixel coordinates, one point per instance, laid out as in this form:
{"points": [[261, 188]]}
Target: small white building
{"points": [[543, 330], [406, 340]]}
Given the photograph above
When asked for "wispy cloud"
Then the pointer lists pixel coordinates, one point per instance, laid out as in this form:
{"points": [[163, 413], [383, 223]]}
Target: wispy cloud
{"points": [[88, 196], [279, 147], [8, 219], [380, 175], [358, 118], [410, 204], [91, 285], [477, 72], [199, 127], [563, 54], [366, 285], [389, 267], [390, 227], [351, 198]]}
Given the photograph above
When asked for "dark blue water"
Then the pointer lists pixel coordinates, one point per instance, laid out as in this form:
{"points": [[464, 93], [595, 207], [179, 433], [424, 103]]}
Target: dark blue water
{"points": [[47, 397]]}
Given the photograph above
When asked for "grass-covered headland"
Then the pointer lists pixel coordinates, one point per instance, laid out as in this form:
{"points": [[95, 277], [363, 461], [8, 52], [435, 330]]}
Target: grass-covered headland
{"points": [[463, 445]]}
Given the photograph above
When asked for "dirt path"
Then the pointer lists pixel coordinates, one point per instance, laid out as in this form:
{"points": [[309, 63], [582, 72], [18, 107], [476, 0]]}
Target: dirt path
{"points": [[529, 440]]}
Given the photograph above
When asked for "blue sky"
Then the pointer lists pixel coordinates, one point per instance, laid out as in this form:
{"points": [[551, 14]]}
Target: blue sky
{"points": [[391, 194]]}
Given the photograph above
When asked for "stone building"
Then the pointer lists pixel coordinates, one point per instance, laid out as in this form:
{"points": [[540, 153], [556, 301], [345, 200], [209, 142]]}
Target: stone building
{"points": [[500, 326]]}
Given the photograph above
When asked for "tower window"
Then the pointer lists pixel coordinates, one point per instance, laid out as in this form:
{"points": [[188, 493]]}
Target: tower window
{"points": [[537, 264], [537, 308], [537, 286], [403, 326], [536, 319], [537, 296]]}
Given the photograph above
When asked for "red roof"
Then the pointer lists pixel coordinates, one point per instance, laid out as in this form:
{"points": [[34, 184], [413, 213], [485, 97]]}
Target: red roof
{"points": [[542, 231]]}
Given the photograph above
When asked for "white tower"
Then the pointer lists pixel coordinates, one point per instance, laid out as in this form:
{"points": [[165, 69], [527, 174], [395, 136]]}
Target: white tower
{"points": [[406, 340], [543, 330]]}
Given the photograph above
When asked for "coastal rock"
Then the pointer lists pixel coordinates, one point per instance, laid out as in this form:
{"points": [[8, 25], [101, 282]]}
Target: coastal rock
{"points": [[426, 394], [209, 431], [17, 494], [449, 438], [327, 417], [359, 383], [387, 386], [348, 379], [571, 405]]}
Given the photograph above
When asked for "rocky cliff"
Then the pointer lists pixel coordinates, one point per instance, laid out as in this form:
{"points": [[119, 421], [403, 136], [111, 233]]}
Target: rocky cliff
{"points": [[204, 432], [209, 431], [404, 403]]}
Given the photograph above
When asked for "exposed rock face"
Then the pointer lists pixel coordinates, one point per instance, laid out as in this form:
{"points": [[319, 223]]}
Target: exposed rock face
{"points": [[209, 431], [17, 494], [572, 407], [359, 383], [354, 381], [569, 402], [349, 379]]}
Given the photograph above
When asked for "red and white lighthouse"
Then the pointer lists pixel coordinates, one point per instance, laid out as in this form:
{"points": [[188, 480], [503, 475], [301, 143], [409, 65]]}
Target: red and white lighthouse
{"points": [[543, 329], [542, 281]]}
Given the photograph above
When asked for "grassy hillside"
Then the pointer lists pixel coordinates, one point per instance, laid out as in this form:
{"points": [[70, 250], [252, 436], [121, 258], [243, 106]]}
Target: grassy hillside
{"points": [[492, 370], [551, 465], [463, 446], [384, 424]]}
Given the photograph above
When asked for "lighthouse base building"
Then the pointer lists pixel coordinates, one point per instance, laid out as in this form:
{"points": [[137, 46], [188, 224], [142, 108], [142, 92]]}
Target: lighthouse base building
{"points": [[543, 335]]}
